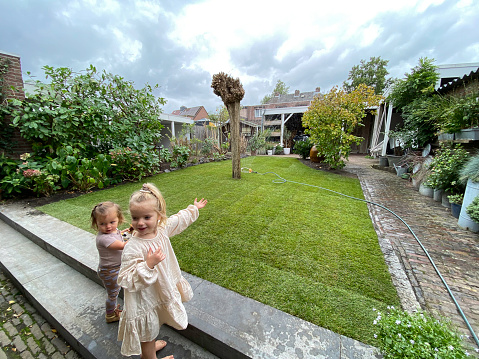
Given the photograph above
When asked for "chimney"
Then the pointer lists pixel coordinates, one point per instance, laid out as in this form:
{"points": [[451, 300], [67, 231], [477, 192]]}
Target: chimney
{"points": [[318, 89], [183, 108], [276, 94], [296, 93]]}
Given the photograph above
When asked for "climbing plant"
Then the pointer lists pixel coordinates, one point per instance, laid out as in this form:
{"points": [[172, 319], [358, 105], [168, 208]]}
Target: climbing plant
{"points": [[6, 132]]}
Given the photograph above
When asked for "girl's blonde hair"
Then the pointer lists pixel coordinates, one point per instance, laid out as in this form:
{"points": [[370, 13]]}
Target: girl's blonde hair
{"points": [[101, 209], [150, 192]]}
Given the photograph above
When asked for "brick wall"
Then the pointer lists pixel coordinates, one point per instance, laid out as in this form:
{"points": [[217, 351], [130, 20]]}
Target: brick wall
{"points": [[14, 78]]}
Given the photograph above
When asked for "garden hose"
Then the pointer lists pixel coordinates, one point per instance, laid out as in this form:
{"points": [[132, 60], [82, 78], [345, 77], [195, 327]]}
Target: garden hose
{"points": [[283, 180]]}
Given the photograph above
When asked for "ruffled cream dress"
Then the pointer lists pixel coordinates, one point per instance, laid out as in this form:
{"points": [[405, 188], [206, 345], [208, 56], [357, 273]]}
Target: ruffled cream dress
{"points": [[153, 297]]}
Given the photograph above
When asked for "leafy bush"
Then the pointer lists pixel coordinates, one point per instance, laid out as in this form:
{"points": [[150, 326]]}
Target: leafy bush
{"points": [[419, 335], [98, 110], [303, 148], [78, 172], [332, 119], [258, 140], [459, 113], [180, 156], [165, 155], [278, 150], [473, 209], [208, 145], [412, 96], [445, 167], [129, 164]]}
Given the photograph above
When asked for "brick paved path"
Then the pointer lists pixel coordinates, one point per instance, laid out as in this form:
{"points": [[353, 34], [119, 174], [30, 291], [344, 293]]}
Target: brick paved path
{"points": [[23, 332], [455, 251]]}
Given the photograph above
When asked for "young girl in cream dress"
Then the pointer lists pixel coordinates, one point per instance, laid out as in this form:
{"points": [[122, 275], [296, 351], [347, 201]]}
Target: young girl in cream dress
{"points": [[154, 289]]}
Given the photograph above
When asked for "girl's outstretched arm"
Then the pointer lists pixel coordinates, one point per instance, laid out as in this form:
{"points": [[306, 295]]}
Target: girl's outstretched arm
{"points": [[201, 203]]}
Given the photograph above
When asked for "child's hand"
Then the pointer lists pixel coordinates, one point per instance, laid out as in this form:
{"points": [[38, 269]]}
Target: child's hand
{"points": [[153, 258], [201, 203]]}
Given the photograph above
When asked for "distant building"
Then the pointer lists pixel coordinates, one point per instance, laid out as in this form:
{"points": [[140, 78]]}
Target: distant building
{"points": [[195, 113], [282, 113]]}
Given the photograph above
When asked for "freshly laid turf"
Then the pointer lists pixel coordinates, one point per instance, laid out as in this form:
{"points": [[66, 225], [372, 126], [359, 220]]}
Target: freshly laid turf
{"points": [[303, 250]]}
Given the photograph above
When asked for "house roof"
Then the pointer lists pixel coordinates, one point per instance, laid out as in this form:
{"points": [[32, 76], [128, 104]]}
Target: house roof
{"points": [[473, 75], [450, 72], [189, 112], [293, 97]]}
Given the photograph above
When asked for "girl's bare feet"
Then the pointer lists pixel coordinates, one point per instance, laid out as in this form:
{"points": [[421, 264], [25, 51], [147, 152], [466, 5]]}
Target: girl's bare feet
{"points": [[160, 344]]}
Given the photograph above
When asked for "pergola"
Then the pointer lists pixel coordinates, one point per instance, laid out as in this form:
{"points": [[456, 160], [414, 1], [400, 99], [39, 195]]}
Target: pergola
{"points": [[286, 113]]}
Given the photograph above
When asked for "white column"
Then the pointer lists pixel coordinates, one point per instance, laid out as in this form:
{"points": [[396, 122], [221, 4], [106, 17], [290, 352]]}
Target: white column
{"points": [[386, 129], [282, 129], [173, 134]]}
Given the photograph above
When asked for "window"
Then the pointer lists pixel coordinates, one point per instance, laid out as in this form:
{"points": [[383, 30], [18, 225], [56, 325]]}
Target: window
{"points": [[258, 112]]}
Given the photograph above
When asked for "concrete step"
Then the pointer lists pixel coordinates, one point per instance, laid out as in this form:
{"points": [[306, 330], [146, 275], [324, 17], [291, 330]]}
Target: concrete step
{"points": [[71, 302], [222, 322]]}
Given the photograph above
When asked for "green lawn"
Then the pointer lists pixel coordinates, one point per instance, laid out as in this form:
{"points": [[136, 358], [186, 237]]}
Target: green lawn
{"points": [[300, 249]]}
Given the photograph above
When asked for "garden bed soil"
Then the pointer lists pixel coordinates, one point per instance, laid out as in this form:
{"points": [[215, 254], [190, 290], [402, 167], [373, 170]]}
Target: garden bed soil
{"points": [[325, 167]]}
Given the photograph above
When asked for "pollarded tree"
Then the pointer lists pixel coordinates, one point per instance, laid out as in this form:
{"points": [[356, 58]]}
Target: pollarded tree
{"points": [[231, 92], [331, 120], [372, 73]]}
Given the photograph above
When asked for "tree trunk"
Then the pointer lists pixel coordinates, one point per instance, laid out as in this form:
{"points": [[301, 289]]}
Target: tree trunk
{"points": [[234, 111]]}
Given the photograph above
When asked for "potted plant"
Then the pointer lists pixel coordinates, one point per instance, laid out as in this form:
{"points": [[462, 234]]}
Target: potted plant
{"points": [[473, 209], [287, 141], [456, 203], [303, 148], [445, 167], [278, 150], [269, 149], [470, 174], [257, 142]]}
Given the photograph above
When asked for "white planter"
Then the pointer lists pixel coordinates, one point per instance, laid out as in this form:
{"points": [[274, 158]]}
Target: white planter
{"points": [[270, 152], [426, 191], [438, 195], [472, 190], [445, 201], [286, 150]]}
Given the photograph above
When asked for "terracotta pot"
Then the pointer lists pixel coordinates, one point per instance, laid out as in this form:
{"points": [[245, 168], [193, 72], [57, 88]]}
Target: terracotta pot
{"points": [[313, 155]]}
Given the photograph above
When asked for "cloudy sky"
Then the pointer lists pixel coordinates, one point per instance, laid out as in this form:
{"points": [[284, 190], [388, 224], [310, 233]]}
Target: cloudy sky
{"points": [[180, 45]]}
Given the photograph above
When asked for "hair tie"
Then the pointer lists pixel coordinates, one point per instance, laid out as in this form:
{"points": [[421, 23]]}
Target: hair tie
{"points": [[145, 189]]}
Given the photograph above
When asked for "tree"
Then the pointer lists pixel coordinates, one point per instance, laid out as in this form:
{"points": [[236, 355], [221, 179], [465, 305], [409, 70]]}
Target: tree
{"points": [[92, 111], [419, 83], [331, 120], [372, 73], [413, 96], [231, 92], [280, 88]]}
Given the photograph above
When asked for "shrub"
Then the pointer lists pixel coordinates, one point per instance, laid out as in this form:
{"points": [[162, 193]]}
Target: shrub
{"points": [[303, 148], [473, 209], [208, 145], [165, 155], [129, 164], [445, 168], [278, 150], [180, 156], [419, 335], [258, 140], [78, 172]]}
